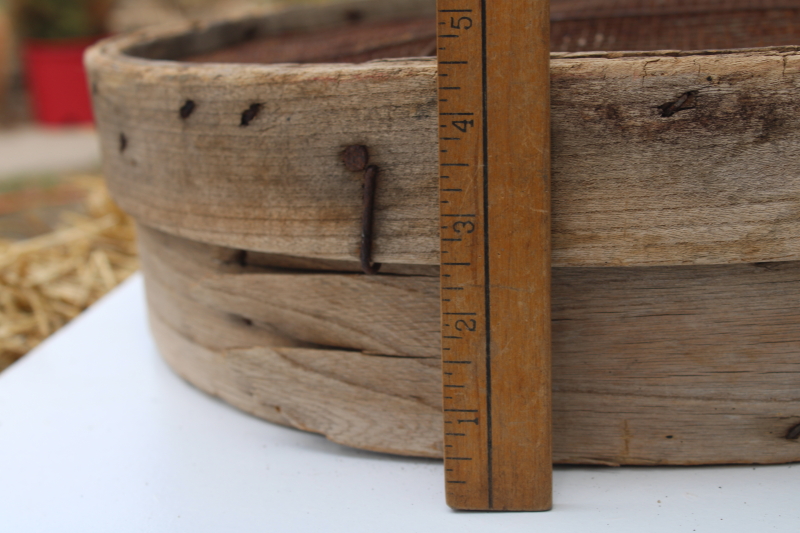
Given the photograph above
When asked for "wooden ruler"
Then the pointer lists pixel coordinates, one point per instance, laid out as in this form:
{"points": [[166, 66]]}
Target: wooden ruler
{"points": [[494, 143]]}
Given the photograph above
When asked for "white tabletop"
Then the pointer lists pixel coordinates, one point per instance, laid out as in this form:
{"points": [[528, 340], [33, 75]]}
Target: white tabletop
{"points": [[98, 435]]}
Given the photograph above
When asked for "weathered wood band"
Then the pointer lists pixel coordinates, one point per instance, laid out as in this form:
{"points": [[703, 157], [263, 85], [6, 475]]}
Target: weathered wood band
{"points": [[677, 365], [659, 158]]}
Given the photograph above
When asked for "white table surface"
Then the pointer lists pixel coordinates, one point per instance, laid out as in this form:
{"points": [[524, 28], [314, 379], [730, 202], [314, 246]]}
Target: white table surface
{"points": [[98, 435]]}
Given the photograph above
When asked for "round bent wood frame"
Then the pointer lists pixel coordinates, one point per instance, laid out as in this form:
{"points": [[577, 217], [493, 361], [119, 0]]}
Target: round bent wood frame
{"points": [[676, 198]]}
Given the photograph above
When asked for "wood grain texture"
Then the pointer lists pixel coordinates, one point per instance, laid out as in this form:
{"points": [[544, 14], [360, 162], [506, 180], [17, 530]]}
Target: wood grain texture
{"points": [[659, 365], [715, 182], [343, 395]]}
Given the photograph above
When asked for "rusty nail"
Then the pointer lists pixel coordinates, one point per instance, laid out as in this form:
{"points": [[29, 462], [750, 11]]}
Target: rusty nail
{"points": [[356, 158], [367, 221], [686, 100]]}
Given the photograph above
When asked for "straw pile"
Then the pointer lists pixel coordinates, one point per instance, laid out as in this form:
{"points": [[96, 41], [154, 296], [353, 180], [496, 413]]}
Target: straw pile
{"points": [[46, 281]]}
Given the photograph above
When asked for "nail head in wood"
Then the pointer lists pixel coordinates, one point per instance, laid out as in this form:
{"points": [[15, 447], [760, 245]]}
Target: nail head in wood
{"points": [[356, 158]]}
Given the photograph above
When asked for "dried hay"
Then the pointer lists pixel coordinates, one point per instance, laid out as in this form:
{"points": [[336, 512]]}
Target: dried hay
{"points": [[46, 281]]}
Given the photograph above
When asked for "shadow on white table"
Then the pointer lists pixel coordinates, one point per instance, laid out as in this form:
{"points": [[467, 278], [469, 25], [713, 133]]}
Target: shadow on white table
{"points": [[98, 435]]}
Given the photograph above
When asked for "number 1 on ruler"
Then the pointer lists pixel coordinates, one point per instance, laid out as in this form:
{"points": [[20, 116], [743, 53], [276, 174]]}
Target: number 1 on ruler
{"points": [[494, 140]]}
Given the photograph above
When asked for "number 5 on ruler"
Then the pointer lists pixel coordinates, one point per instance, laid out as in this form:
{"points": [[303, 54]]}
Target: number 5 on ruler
{"points": [[494, 143]]}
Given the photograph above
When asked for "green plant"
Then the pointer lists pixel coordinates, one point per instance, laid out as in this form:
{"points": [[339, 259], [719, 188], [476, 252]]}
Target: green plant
{"points": [[61, 19]]}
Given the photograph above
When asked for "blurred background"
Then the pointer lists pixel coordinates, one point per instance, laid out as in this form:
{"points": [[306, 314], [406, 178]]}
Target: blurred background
{"points": [[63, 243]]}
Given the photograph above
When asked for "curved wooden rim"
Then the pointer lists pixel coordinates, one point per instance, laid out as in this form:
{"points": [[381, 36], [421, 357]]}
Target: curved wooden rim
{"points": [[659, 158], [636, 381]]}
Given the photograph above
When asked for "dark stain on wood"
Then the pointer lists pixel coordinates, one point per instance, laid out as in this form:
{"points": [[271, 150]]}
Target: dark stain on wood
{"points": [[123, 143], [793, 433], [187, 109], [250, 33], [773, 124], [353, 16], [250, 114]]}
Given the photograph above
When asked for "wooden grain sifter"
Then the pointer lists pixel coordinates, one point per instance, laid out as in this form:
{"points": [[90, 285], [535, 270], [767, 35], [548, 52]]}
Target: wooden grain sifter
{"points": [[675, 229]]}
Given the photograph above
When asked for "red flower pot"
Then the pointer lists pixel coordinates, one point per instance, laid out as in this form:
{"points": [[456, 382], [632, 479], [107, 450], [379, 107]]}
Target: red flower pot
{"points": [[57, 81]]}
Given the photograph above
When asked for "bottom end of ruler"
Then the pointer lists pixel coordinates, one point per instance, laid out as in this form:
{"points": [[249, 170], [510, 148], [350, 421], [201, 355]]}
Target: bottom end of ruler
{"points": [[541, 505]]}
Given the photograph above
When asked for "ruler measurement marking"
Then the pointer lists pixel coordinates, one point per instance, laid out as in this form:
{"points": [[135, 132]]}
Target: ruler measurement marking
{"points": [[493, 170]]}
